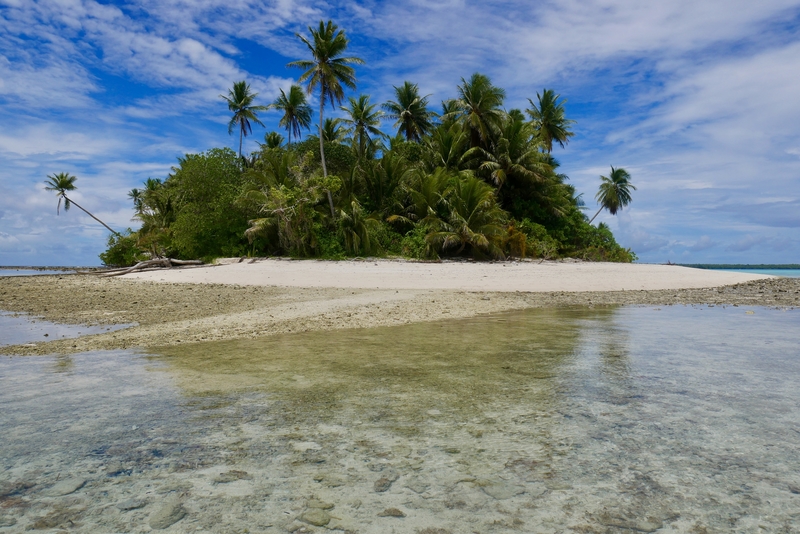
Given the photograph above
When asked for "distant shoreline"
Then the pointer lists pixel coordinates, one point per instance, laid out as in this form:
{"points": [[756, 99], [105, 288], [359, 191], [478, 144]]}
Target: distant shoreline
{"points": [[751, 266]]}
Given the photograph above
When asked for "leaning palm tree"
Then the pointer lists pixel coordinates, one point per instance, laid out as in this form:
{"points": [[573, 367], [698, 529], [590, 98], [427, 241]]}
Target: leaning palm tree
{"points": [[478, 108], [296, 111], [410, 111], [363, 121], [328, 70], [63, 182], [240, 102], [549, 121], [614, 193]]}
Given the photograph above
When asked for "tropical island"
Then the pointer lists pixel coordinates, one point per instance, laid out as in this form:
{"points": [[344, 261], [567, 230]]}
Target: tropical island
{"points": [[471, 179]]}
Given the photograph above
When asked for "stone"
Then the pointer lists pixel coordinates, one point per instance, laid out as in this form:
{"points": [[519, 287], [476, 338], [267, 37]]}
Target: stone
{"points": [[316, 517], [7, 522], [168, 514], [649, 525], [65, 487], [131, 504], [392, 512], [417, 485], [232, 476], [384, 483], [500, 489], [316, 503]]}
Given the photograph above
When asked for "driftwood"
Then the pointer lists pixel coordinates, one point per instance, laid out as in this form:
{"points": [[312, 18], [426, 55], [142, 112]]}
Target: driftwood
{"points": [[148, 264]]}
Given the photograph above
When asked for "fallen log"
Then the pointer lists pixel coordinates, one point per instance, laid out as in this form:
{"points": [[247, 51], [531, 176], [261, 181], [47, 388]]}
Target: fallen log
{"points": [[147, 264]]}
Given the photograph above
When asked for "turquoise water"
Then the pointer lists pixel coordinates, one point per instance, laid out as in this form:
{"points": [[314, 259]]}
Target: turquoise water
{"points": [[790, 273], [28, 272], [633, 419]]}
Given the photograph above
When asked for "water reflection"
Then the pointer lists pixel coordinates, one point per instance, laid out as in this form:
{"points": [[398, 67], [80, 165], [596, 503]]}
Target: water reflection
{"points": [[604, 420]]}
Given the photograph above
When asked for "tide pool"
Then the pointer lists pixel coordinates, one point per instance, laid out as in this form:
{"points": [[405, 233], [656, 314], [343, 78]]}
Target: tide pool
{"points": [[631, 419]]}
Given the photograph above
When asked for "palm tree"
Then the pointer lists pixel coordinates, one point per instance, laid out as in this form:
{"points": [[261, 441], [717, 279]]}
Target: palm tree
{"points": [[296, 111], [549, 121], [240, 102], [328, 70], [614, 193], [63, 182], [333, 131], [475, 220], [363, 121], [410, 112], [479, 108], [272, 140]]}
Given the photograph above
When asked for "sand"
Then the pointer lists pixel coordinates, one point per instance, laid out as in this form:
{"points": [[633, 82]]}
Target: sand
{"points": [[249, 300]]}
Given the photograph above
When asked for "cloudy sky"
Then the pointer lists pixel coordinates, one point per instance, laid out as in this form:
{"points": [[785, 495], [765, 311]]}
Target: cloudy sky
{"points": [[698, 99]]}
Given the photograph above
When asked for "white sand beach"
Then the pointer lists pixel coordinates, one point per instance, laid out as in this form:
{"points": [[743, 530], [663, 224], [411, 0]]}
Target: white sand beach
{"points": [[529, 277]]}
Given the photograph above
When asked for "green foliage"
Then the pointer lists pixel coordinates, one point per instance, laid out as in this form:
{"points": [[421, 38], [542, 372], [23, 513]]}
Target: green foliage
{"points": [[476, 181], [123, 250]]}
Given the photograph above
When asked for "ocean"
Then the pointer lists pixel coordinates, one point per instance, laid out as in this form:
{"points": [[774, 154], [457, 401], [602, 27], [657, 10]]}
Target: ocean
{"points": [[607, 419]]}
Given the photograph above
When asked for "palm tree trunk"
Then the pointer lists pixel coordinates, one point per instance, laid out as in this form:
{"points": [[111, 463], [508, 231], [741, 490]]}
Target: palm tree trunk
{"points": [[241, 136], [93, 217], [596, 214], [322, 149]]}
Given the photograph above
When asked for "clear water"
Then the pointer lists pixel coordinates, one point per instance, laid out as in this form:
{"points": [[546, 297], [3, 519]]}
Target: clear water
{"points": [[18, 328], [28, 272], [790, 273], [612, 420]]}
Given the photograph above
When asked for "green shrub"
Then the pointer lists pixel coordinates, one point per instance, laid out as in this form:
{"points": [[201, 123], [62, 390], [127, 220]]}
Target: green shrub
{"points": [[122, 250]]}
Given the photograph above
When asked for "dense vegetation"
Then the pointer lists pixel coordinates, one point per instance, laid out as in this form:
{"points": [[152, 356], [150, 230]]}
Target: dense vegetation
{"points": [[468, 180]]}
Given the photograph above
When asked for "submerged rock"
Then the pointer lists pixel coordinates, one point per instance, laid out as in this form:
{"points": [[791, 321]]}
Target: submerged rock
{"points": [[232, 476], [384, 483], [392, 512], [131, 504], [168, 514], [316, 517], [66, 486], [500, 489], [7, 522], [316, 503]]}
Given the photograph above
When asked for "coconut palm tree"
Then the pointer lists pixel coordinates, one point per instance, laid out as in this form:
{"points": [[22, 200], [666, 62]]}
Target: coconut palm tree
{"points": [[296, 111], [614, 193], [549, 121], [474, 220], [363, 121], [479, 108], [328, 70], [272, 140], [240, 102], [333, 131], [410, 111], [63, 182]]}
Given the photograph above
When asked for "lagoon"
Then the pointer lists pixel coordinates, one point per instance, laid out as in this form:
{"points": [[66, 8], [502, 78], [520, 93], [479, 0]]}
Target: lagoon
{"points": [[606, 419]]}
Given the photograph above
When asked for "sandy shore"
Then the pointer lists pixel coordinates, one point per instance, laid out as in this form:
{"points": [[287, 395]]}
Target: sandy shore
{"points": [[242, 300]]}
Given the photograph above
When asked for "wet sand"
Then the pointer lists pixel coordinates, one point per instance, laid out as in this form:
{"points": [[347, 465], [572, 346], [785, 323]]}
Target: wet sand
{"points": [[244, 300]]}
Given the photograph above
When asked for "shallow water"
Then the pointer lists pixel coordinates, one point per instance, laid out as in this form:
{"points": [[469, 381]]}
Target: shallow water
{"points": [[786, 273], [30, 272], [17, 328], [676, 419]]}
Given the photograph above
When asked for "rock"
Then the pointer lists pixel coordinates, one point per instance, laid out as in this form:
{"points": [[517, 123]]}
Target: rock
{"points": [[168, 514], [303, 446], [232, 476], [392, 512], [131, 504], [66, 486], [322, 505], [316, 517], [417, 485], [536, 490], [384, 483], [650, 525], [7, 522], [794, 489], [500, 489]]}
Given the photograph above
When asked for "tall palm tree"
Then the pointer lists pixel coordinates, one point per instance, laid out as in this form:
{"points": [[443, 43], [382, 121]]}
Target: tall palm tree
{"points": [[333, 131], [479, 108], [363, 121], [63, 182], [614, 193], [328, 70], [410, 111], [240, 102], [272, 140], [296, 111], [549, 121]]}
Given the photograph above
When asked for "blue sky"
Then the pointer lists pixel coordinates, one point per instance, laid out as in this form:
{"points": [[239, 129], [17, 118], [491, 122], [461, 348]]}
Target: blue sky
{"points": [[699, 100]]}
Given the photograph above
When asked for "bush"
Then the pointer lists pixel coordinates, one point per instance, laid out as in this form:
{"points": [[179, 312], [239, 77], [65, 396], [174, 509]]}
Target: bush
{"points": [[122, 250]]}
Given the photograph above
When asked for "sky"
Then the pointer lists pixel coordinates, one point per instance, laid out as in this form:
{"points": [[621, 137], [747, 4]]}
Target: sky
{"points": [[698, 100]]}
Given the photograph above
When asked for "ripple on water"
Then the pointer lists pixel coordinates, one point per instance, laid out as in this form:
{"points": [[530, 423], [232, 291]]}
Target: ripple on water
{"points": [[626, 419]]}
